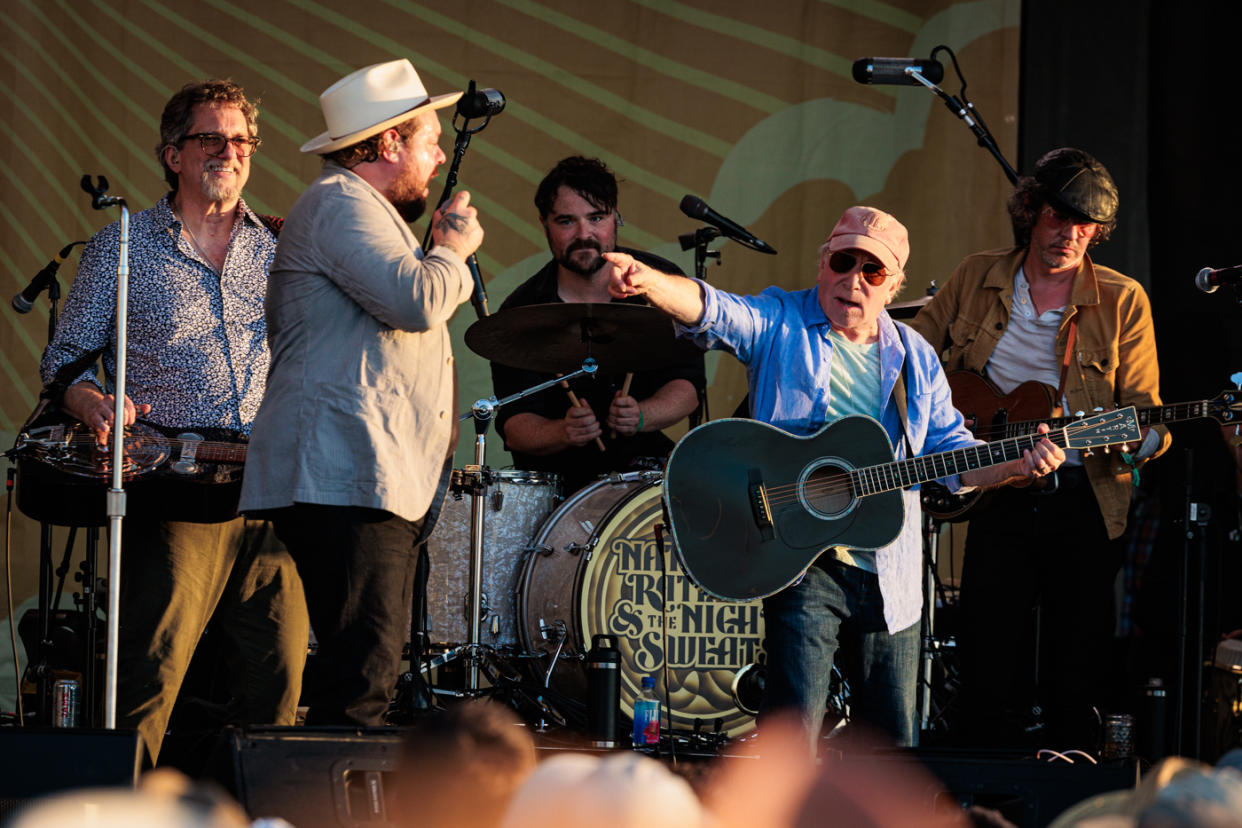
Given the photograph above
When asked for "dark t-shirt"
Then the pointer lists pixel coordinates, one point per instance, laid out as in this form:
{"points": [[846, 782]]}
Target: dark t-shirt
{"points": [[579, 465]]}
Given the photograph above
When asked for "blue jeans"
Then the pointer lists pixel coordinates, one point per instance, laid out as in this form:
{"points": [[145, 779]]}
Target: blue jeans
{"points": [[806, 623]]}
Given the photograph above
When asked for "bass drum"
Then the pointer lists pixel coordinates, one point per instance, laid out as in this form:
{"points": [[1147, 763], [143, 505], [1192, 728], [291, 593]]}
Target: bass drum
{"points": [[595, 566]]}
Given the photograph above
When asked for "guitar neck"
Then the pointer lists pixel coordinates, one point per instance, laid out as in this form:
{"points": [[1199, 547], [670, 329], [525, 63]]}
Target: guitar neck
{"points": [[1155, 415], [212, 452], [902, 474]]}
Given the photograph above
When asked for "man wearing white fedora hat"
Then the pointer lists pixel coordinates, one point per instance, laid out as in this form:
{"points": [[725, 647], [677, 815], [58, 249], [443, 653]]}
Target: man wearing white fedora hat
{"points": [[358, 422]]}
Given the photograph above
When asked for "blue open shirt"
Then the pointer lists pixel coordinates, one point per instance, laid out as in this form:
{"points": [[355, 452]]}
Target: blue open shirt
{"points": [[782, 339]]}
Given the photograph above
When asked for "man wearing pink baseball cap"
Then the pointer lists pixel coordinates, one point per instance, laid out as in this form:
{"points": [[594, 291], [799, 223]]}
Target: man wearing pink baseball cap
{"points": [[813, 356]]}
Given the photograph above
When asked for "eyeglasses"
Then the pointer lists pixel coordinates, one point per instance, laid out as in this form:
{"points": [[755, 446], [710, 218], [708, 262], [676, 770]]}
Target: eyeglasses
{"points": [[213, 143], [842, 262], [1058, 220]]}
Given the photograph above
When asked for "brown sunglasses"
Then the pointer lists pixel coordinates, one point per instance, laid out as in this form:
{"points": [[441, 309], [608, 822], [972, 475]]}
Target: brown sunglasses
{"points": [[842, 262]]}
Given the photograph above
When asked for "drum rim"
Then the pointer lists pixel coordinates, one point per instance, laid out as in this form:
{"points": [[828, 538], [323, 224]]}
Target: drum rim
{"points": [[527, 476]]}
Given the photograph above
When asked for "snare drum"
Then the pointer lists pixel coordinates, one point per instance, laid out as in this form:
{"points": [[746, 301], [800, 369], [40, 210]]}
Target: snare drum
{"points": [[595, 566], [514, 505]]}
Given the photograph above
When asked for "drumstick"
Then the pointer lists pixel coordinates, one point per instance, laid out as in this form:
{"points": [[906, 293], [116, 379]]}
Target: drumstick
{"points": [[625, 392], [573, 400]]}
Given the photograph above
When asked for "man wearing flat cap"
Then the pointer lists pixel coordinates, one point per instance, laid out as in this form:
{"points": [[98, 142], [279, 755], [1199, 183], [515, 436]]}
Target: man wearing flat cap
{"points": [[813, 356], [1043, 311], [352, 442]]}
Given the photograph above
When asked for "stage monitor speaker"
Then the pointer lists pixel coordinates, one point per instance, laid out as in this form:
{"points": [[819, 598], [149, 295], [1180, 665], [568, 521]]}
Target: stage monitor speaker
{"points": [[39, 761], [1027, 792], [317, 777]]}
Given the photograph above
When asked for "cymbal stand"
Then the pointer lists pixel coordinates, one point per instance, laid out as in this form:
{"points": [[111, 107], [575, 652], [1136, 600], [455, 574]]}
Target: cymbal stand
{"points": [[932, 648], [482, 413]]}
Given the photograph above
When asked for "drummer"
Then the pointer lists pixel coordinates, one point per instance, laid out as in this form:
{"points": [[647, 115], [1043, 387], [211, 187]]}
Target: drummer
{"points": [[612, 429]]}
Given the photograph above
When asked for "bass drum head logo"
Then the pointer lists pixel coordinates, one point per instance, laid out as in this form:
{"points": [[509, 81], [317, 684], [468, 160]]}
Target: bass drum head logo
{"points": [[708, 641]]}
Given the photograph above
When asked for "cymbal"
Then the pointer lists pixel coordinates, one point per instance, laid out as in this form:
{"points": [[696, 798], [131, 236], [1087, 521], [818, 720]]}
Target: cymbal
{"points": [[558, 336], [907, 310]]}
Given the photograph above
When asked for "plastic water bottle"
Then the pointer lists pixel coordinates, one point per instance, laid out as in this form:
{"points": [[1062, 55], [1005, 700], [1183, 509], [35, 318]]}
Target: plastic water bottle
{"points": [[647, 715]]}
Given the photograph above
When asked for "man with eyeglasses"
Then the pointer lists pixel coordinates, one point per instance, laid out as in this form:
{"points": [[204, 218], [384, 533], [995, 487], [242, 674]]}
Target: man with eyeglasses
{"points": [[197, 362], [813, 356], [616, 427], [1043, 311]]}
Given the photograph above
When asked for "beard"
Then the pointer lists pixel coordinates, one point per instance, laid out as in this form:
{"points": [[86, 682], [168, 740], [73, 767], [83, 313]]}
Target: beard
{"points": [[574, 265], [216, 190], [406, 195]]}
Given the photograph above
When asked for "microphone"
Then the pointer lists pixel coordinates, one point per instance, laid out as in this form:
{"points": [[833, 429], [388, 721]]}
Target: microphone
{"points": [[1208, 280], [481, 103], [479, 297], [24, 301], [696, 208], [892, 71]]}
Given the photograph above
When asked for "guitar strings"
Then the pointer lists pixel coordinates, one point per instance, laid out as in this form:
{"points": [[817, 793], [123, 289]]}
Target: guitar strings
{"points": [[172, 443], [842, 482]]}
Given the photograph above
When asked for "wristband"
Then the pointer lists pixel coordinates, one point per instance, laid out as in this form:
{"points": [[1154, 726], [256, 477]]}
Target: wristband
{"points": [[640, 420]]}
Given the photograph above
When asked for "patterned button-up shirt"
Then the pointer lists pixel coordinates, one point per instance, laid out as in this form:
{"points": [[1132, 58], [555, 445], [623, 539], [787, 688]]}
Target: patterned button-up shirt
{"points": [[197, 339]]}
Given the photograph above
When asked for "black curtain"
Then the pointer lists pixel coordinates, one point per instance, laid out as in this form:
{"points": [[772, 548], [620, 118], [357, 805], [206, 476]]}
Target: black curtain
{"points": [[1150, 90]]}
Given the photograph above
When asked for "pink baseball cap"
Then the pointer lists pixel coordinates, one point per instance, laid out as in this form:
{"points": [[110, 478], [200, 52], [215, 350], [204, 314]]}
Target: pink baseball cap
{"points": [[875, 231]]}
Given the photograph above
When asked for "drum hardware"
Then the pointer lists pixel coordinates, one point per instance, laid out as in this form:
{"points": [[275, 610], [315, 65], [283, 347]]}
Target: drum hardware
{"points": [[475, 480], [561, 633]]}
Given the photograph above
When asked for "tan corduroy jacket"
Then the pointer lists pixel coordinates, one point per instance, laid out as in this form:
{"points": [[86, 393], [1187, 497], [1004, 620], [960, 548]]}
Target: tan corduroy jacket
{"points": [[1114, 363]]}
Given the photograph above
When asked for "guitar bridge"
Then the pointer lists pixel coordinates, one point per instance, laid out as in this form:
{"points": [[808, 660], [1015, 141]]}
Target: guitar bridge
{"points": [[760, 509]]}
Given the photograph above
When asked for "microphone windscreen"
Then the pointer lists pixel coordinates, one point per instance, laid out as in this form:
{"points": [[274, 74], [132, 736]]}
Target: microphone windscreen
{"points": [[694, 207]]}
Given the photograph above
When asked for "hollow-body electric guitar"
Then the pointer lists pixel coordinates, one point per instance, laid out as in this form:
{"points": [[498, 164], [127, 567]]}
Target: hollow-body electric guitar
{"points": [[751, 506]]}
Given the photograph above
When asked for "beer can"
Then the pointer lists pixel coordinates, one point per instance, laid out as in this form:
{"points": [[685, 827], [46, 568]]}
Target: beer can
{"points": [[66, 698], [1118, 736]]}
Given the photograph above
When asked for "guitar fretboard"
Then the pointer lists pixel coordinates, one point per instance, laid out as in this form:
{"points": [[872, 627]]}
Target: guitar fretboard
{"points": [[1155, 415], [1109, 428]]}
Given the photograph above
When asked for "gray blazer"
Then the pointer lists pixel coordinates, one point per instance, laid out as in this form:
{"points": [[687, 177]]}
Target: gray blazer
{"points": [[359, 405]]}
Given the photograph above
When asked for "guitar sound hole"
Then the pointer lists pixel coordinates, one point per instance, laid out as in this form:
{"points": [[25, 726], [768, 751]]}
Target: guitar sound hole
{"points": [[826, 491]]}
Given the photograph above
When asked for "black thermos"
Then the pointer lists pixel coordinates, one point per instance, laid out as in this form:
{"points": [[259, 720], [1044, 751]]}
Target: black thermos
{"points": [[603, 667]]}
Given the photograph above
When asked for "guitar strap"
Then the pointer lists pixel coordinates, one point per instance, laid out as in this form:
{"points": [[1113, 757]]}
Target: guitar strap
{"points": [[1071, 339], [899, 395]]}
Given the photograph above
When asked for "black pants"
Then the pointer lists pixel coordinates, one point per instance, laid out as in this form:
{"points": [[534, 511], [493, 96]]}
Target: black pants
{"points": [[1052, 551], [357, 567]]}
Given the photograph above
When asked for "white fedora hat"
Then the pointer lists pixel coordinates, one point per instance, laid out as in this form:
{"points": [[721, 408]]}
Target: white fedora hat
{"points": [[370, 101]]}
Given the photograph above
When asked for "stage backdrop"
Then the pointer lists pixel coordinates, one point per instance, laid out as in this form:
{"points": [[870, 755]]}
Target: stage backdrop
{"points": [[750, 106]]}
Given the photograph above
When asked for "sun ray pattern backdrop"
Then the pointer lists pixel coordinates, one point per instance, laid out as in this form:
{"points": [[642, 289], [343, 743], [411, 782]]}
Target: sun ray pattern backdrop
{"points": [[749, 105]]}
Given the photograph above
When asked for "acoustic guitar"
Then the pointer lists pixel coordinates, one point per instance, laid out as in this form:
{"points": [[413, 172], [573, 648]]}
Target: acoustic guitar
{"points": [[751, 506]]}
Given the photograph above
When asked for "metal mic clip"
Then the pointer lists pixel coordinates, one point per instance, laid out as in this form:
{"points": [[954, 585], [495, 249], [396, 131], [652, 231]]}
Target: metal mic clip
{"points": [[99, 201]]}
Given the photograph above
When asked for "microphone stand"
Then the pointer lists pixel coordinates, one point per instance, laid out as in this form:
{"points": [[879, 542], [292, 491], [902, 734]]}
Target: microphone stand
{"points": [[481, 412], [699, 240], [965, 110], [115, 499], [479, 299]]}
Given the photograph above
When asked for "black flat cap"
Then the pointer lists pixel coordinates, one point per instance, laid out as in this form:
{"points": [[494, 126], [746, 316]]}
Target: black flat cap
{"points": [[1078, 185]]}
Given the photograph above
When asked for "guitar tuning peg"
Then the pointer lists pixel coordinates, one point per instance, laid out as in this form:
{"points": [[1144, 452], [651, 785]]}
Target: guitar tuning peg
{"points": [[1125, 448], [1098, 409], [1080, 414], [1088, 452], [1108, 450]]}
